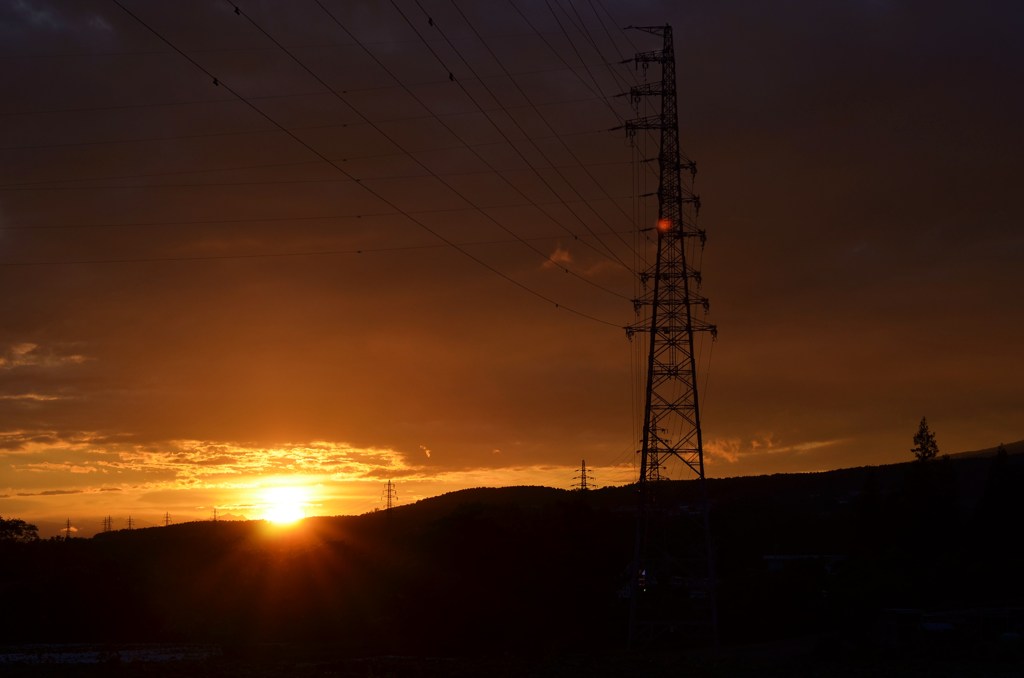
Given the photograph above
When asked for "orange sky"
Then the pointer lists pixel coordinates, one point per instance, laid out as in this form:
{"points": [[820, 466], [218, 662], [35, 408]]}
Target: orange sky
{"points": [[246, 315]]}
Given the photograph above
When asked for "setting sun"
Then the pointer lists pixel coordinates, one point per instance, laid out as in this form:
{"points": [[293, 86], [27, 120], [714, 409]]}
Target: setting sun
{"points": [[284, 504]]}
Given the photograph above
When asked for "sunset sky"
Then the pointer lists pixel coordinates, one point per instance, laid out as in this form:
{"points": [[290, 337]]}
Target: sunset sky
{"points": [[339, 263]]}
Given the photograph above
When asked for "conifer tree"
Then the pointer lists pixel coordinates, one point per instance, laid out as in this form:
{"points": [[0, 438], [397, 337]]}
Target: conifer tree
{"points": [[925, 446]]}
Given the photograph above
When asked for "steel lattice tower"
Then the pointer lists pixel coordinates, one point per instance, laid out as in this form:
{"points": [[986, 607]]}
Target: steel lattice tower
{"points": [[585, 478], [671, 589]]}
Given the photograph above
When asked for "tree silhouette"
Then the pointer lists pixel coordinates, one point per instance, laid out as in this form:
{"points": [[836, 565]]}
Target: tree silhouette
{"points": [[925, 446], [13, 529]]}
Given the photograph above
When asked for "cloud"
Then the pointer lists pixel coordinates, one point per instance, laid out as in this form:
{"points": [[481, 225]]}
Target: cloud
{"points": [[558, 259], [34, 441], [40, 16], [18, 355], [190, 462], [426, 451], [725, 449], [48, 493], [734, 450], [29, 354], [31, 397], [60, 467]]}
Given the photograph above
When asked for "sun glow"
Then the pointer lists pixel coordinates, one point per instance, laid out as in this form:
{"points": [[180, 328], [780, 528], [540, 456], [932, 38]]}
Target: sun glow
{"points": [[284, 505]]}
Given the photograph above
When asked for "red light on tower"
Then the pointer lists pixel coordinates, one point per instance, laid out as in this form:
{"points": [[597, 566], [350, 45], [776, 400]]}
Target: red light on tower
{"points": [[664, 224]]}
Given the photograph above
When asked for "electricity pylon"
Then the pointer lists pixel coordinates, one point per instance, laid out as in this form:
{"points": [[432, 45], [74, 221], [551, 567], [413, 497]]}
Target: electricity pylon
{"points": [[390, 494], [672, 580], [585, 479]]}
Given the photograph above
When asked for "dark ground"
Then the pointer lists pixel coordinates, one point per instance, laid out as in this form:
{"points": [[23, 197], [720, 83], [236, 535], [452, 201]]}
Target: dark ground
{"points": [[905, 570], [794, 660]]}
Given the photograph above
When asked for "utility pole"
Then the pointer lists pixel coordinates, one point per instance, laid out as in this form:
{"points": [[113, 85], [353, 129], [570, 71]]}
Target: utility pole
{"points": [[390, 495], [585, 479], [672, 580]]}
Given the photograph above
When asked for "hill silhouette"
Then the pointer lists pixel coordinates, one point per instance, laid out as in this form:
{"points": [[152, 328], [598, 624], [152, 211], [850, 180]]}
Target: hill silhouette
{"points": [[872, 557]]}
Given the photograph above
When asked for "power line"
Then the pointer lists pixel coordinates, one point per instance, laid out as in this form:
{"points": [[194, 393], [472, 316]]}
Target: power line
{"points": [[254, 220], [349, 158], [266, 182], [376, 194], [263, 255], [541, 115], [461, 194], [214, 50], [103, 142], [490, 119], [447, 127], [607, 32], [615, 76]]}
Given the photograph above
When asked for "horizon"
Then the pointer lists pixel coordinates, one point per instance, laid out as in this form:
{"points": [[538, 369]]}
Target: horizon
{"points": [[292, 248], [53, 527]]}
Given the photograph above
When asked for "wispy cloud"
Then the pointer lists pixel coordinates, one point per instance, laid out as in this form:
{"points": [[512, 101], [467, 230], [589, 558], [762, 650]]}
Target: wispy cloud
{"points": [[728, 451], [559, 258], [29, 354], [30, 397], [48, 493]]}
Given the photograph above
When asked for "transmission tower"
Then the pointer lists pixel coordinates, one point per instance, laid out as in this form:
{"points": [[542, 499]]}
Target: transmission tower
{"points": [[389, 495], [585, 479], [131, 523], [108, 524], [671, 584], [67, 529]]}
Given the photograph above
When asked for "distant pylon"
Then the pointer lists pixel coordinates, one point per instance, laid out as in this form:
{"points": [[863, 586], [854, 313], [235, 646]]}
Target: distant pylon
{"points": [[67, 530], [131, 523], [167, 519], [108, 524], [584, 481], [390, 495], [672, 580]]}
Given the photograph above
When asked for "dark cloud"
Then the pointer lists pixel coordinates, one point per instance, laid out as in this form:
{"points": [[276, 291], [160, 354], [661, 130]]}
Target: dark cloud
{"points": [[48, 493]]}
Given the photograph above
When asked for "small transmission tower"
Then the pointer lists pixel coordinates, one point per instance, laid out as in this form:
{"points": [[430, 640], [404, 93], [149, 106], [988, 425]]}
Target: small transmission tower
{"points": [[585, 479], [389, 495], [671, 588]]}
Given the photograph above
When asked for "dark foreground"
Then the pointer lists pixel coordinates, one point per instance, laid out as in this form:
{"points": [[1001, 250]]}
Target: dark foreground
{"points": [[909, 570], [795, 660]]}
